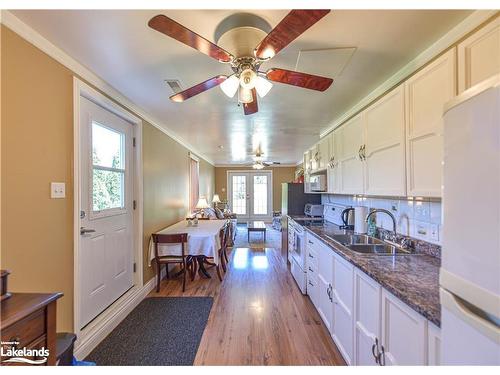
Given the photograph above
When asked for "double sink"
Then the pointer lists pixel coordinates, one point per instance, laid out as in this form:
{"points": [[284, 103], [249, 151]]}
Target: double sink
{"points": [[363, 244]]}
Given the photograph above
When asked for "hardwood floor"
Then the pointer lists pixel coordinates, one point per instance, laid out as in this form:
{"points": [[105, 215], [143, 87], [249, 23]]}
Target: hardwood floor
{"points": [[259, 316]]}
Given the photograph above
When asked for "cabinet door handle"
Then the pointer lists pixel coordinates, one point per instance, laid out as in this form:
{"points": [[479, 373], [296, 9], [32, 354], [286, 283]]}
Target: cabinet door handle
{"points": [[359, 153], [310, 283], [312, 243], [377, 354], [381, 356], [310, 256], [310, 269]]}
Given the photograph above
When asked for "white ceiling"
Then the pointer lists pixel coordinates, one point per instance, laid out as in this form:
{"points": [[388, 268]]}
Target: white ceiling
{"points": [[118, 46]]}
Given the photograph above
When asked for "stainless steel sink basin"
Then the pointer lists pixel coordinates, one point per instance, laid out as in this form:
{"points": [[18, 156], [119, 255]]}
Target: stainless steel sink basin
{"points": [[378, 249]]}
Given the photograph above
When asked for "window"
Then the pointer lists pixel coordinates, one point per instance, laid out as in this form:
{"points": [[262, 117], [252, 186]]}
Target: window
{"points": [[260, 195], [239, 203], [108, 168], [194, 182]]}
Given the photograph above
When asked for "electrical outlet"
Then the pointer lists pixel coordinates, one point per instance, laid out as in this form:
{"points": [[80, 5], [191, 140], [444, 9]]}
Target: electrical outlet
{"points": [[422, 230], [57, 190], [434, 232]]}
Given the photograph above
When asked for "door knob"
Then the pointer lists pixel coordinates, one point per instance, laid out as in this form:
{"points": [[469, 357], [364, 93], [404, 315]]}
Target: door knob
{"points": [[85, 230]]}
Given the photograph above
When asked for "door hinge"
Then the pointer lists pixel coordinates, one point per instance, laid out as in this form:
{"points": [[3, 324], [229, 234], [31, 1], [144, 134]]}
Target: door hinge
{"points": [[133, 142], [135, 267], [134, 204]]}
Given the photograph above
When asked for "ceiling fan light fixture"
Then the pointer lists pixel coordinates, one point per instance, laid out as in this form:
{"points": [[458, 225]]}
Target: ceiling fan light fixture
{"points": [[258, 165], [230, 86], [248, 79], [245, 96], [263, 86]]}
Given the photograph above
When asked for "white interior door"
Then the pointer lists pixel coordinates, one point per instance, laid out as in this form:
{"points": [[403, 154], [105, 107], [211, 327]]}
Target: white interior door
{"points": [[250, 194], [106, 209]]}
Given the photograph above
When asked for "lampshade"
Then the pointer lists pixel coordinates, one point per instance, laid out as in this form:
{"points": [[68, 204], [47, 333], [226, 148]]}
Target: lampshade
{"points": [[202, 203], [216, 199], [248, 79], [262, 86], [230, 86], [245, 96]]}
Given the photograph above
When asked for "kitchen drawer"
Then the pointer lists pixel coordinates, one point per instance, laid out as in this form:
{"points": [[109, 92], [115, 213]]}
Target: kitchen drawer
{"points": [[312, 260], [26, 330], [313, 243]]}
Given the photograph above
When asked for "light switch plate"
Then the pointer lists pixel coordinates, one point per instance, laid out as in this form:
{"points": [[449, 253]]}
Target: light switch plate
{"points": [[57, 190]]}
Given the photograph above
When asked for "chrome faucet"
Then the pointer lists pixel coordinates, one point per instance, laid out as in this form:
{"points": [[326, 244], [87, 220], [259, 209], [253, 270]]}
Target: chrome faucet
{"points": [[394, 235]]}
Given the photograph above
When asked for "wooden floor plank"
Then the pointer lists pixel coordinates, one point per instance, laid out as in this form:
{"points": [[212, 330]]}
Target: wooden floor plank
{"points": [[259, 316]]}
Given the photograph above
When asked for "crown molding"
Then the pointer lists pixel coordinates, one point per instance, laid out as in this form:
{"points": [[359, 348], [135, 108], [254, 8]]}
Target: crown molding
{"points": [[447, 40], [36, 39], [250, 166]]}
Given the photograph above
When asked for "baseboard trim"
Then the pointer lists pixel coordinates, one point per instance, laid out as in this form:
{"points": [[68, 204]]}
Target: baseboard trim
{"points": [[93, 335]]}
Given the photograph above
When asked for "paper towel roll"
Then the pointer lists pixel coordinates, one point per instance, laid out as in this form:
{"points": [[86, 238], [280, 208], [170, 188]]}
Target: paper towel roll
{"points": [[360, 224]]}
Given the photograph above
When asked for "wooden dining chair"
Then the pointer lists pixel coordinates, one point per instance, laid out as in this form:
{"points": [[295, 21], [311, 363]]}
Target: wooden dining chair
{"points": [[223, 245], [181, 259]]}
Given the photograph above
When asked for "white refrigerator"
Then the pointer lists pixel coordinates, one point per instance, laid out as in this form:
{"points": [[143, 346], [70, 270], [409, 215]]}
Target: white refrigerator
{"points": [[470, 270]]}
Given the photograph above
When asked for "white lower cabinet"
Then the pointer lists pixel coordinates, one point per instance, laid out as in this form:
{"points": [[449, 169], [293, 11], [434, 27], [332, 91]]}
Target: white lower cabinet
{"points": [[369, 325], [404, 334], [367, 295], [342, 295], [434, 345], [325, 277]]}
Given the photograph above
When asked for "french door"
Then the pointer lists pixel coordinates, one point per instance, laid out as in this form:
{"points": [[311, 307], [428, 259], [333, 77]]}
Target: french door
{"points": [[250, 194], [106, 209]]}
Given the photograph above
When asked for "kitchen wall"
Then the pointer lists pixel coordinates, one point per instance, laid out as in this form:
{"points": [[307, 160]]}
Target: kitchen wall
{"points": [[280, 175], [417, 217], [37, 148]]}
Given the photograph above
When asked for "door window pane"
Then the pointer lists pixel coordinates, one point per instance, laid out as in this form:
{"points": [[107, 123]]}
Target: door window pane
{"points": [[239, 190], [107, 189], [107, 147], [108, 168], [260, 195]]}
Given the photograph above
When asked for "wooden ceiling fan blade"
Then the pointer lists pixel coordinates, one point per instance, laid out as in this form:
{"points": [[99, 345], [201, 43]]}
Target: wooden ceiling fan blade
{"points": [[251, 108], [307, 81], [198, 89], [175, 30], [289, 28]]}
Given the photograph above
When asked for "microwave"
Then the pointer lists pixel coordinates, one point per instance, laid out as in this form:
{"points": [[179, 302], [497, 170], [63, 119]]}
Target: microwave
{"points": [[317, 182]]}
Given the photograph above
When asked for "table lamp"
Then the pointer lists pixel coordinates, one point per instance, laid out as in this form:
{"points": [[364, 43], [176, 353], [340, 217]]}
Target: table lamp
{"points": [[216, 200], [202, 204]]}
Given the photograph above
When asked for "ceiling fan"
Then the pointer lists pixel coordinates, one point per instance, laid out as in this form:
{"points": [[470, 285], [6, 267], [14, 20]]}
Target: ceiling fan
{"points": [[259, 163], [246, 79]]}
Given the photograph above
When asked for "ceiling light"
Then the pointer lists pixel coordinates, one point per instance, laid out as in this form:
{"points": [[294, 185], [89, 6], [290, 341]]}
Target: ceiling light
{"points": [[258, 165], [262, 86], [230, 86], [245, 96], [248, 79]]}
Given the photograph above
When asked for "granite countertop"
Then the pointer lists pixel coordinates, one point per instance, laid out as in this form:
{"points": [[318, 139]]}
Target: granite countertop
{"points": [[412, 278]]}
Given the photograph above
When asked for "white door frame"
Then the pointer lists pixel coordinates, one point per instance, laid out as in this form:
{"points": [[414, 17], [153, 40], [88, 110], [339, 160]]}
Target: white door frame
{"points": [[81, 89], [252, 172]]}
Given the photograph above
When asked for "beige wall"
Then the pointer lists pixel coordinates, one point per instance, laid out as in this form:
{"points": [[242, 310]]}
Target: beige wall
{"points": [[37, 148], [166, 185], [280, 175]]}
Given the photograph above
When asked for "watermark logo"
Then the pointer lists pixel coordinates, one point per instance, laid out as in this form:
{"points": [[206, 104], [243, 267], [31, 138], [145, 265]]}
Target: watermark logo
{"points": [[23, 355]]}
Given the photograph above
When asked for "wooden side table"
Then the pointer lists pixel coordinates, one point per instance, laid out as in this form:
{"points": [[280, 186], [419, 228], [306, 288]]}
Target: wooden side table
{"points": [[256, 226], [28, 320]]}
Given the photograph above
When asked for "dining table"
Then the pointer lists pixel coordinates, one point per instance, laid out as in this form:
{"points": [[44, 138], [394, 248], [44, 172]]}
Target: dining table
{"points": [[203, 242]]}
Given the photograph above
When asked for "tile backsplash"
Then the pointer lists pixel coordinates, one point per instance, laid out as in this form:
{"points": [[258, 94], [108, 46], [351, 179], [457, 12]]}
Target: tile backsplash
{"points": [[419, 218]]}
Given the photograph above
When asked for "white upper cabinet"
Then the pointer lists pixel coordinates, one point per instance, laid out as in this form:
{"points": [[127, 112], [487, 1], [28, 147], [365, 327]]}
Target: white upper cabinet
{"points": [[314, 155], [351, 167], [479, 56], [333, 171], [426, 93], [384, 149], [404, 334], [323, 152]]}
